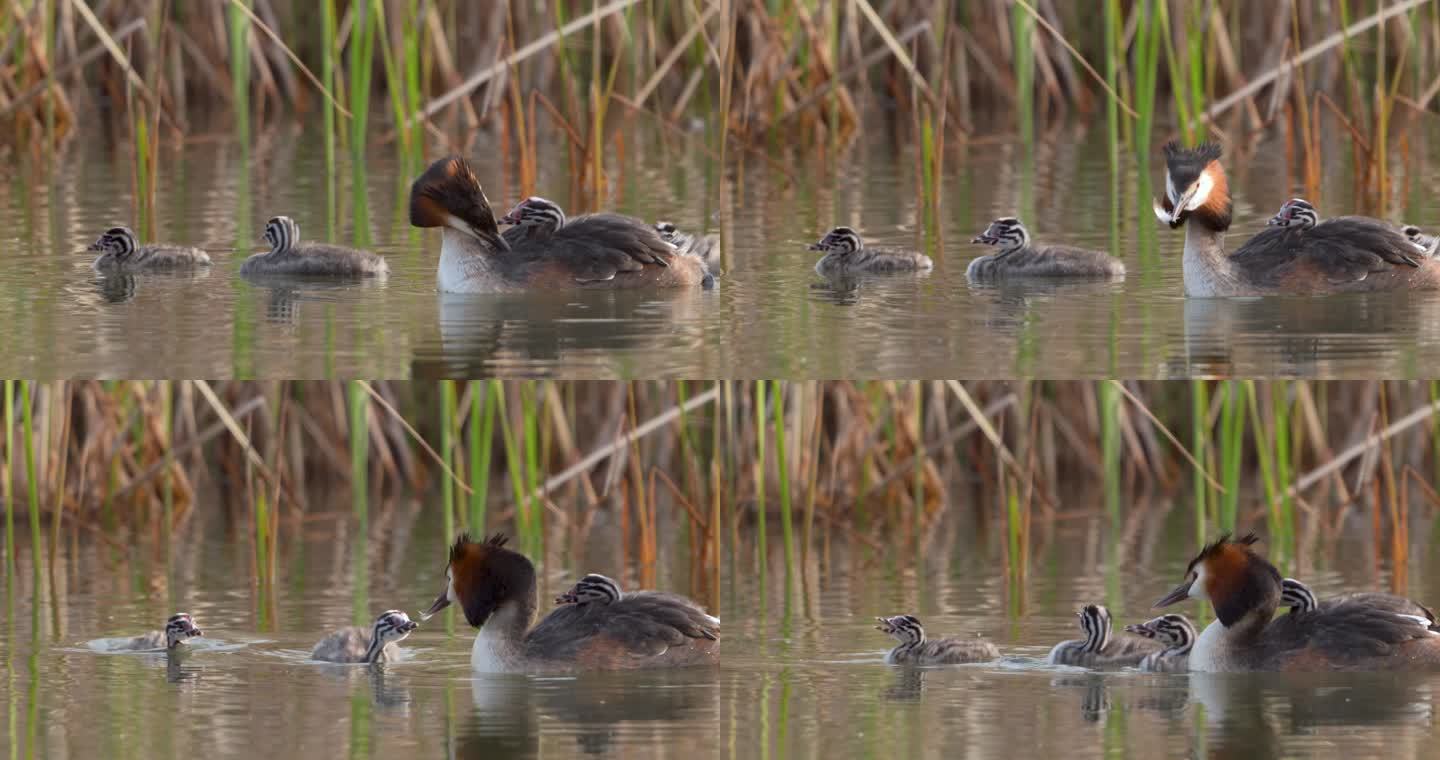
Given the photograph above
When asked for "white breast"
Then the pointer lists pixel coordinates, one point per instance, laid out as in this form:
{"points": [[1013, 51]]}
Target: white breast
{"points": [[1210, 650], [460, 265], [487, 654]]}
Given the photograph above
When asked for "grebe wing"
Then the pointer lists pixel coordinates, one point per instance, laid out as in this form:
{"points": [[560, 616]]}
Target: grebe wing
{"points": [[1347, 249]]}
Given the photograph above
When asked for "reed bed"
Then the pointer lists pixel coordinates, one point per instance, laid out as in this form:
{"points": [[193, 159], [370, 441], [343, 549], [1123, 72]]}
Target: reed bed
{"points": [[801, 70], [883, 464]]}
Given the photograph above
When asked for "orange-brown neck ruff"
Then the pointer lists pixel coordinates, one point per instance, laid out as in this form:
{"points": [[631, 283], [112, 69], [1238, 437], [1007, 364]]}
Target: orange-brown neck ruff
{"points": [[450, 189], [1238, 581], [1217, 210], [486, 575]]}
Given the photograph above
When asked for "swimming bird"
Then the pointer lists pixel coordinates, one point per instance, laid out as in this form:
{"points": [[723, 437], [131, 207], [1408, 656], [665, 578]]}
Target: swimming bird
{"points": [[178, 629], [915, 649], [597, 251], [1100, 648], [495, 587], [1176, 633], [1343, 255], [846, 253], [120, 251], [372, 645], [1245, 590], [539, 219], [289, 256], [1017, 257]]}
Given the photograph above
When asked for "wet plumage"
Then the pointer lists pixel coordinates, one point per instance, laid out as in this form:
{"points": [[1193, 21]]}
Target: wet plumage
{"points": [[595, 251], [1019, 257], [1347, 254], [374, 644], [1176, 634], [120, 251], [178, 629], [846, 253], [1101, 648], [496, 588], [289, 256], [915, 649]]}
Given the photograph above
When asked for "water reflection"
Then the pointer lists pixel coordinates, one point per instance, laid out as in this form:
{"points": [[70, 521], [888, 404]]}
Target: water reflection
{"points": [[808, 678], [771, 315], [238, 692]]}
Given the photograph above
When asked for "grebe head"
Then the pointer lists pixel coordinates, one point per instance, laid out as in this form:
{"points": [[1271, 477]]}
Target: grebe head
{"points": [[481, 576], [1195, 185], [1297, 213], [449, 195], [841, 240], [1176, 632], [667, 230], [281, 232], [1297, 596], [906, 628], [1007, 233], [119, 242], [592, 588], [179, 628], [393, 625], [1232, 577], [536, 212], [1095, 622]]}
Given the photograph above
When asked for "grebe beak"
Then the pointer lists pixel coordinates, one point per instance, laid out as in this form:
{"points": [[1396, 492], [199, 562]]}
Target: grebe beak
{"points": [[817, 247], [509, 219], [983, 238], [1174, 219], [1136, 628], [441, 602], [1180, 594]]}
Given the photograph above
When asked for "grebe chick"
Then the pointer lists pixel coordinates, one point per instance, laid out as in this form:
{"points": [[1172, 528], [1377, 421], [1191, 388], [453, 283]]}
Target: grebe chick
{"points": [[178, 629], [1300, 215], [593, 588], [595, 251], [120, 251], [1342, 255], [845, 253], [496, 589], [706, 247], [915, 649], [1176, 633], [289, 256], [1017, 257], [376, 644], [1300, 599], [1100, 648], [1341, 634]]}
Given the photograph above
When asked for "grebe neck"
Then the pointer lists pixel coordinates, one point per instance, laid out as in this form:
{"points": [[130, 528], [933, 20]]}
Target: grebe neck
{"points": [[499, 644], [1208, 271]]}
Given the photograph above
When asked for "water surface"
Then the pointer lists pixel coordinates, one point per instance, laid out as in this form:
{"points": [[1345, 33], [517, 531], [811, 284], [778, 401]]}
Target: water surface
{"points": [[810, 681], [771, 316], [249, 689]]}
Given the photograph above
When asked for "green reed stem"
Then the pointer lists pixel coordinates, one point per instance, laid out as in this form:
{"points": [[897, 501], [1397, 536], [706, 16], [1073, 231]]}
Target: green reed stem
{"points": [[448, 410], [760, 513], [328, 33], [530, 414], [240, 64], [9, 476], [782, 465], [1232, 448], [32, 475], [1110, 447], [1200, 448], [359, 450], [1024, 26], [482, 435]]}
